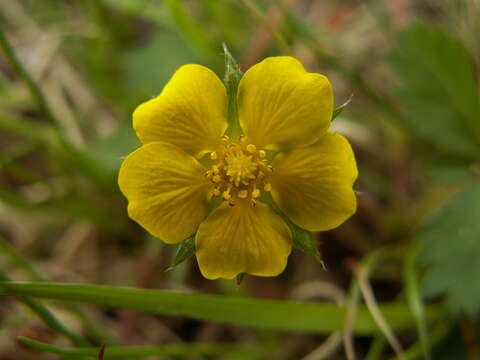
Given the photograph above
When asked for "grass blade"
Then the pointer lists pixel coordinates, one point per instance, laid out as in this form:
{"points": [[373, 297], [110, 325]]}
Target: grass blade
{"points": [[266, 314], [21, 262], [46, 316], [130, 352], [415, 302]]}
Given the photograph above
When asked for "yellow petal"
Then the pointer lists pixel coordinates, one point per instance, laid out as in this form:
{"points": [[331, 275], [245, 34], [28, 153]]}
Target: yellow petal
{"points": [[189, 112], [313, 185], [242, 239], [282, 105], [166, 191]]}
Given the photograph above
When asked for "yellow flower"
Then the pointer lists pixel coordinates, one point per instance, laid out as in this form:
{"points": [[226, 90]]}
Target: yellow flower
{"points": [[186, 162]]}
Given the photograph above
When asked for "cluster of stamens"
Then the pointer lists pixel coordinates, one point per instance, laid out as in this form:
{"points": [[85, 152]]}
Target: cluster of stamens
{"points": [[241, 171]]}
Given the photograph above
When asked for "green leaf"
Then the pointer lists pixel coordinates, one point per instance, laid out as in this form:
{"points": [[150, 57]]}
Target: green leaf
{"points": [[130, 352], [185, 250], [451, 250], [438, 90], [443, 170], [292, 316]]}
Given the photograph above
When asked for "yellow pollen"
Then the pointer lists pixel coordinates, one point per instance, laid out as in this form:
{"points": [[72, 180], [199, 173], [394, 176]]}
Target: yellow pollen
{"points": [[226, 195], [242, 194], [239, 172]]}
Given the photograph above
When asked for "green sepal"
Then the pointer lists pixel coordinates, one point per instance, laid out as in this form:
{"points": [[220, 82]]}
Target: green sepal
{"points": [[185, 250], [302, 239], [338, 110], [232, 77], [101, 352], [239, 278]]}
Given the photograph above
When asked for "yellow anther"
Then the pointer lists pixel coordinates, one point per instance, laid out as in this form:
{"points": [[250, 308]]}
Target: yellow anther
{"points": [[226, 195], [239, 171], [225, 138], [251, 148]]}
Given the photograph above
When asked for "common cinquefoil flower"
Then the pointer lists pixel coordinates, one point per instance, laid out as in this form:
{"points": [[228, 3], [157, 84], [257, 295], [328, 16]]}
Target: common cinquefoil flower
{"points": [[281, 152]]}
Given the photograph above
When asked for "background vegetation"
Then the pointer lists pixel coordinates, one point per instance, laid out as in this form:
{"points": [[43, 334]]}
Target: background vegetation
{"points": [[402, 276]]}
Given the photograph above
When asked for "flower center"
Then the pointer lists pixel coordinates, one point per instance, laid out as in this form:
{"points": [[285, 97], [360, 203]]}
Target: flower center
{"points": [[240, 172]]}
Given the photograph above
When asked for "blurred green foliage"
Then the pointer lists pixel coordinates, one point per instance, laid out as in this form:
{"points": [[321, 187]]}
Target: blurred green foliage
{"points": [[452, 251], [413, 69], [440, 97]]}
